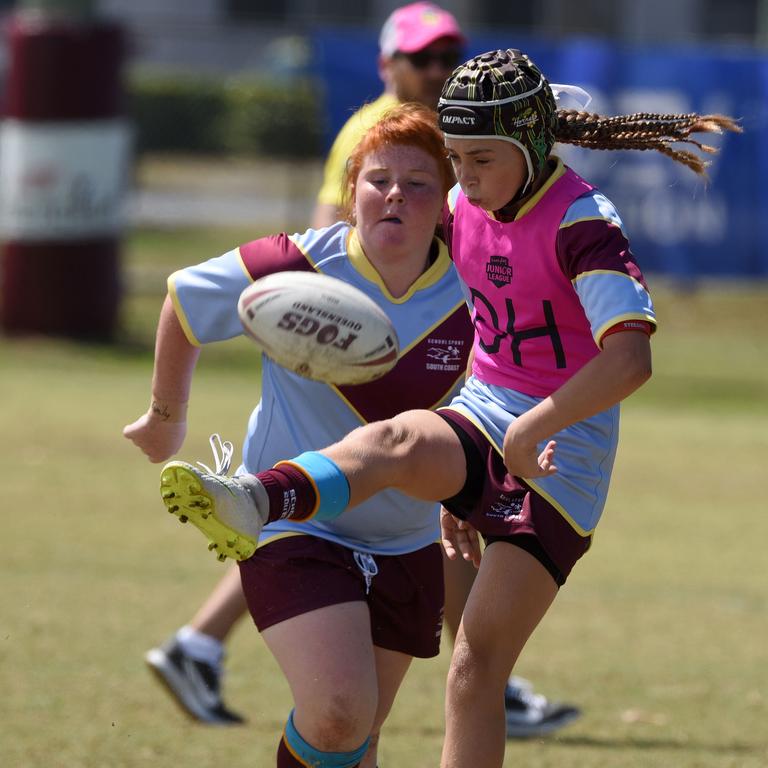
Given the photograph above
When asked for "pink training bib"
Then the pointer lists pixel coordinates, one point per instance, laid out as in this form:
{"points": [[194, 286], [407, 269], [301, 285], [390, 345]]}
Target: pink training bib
{"points": [[531, 331]]}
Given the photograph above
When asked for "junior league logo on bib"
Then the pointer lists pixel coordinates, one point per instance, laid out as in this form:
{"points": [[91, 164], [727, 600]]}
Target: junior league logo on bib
{"points": [[498, 271]]}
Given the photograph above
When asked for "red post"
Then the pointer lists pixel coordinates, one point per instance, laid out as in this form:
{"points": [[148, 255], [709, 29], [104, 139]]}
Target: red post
{"points": [[64, 151]]}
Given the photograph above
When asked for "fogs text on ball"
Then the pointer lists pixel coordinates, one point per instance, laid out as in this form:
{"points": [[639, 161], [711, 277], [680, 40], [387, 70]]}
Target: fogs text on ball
{"points": [[319, 327]]}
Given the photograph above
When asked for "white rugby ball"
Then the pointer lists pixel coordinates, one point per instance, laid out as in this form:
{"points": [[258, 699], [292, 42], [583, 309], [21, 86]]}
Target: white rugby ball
{"points": [[319, 327]]}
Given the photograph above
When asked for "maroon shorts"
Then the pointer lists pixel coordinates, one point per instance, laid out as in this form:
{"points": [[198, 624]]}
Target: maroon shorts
{"points": [[297, 574], [503, 508]]}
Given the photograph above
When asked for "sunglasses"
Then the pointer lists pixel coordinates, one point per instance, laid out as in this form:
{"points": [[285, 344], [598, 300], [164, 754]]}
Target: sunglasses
{"points": [[422, 59]]}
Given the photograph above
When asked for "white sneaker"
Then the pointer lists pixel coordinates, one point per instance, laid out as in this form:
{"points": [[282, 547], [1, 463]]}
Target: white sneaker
{"points": [[194, 685], [530, 714], [219, 506]]}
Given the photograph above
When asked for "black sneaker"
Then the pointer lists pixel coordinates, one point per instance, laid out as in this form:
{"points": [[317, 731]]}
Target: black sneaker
{"points": [[529, 714], [194, 685]]}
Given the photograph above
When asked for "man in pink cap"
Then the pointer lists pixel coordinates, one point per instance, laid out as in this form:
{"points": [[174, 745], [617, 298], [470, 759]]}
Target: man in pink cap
{"points": [[419, 46]]}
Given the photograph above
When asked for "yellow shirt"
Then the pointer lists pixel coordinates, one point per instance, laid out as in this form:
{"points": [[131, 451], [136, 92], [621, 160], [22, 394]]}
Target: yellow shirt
{"points": [[346, 140]]}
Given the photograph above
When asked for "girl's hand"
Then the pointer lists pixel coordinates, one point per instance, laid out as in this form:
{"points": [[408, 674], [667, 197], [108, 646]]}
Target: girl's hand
{"points": [[459, 538], [158, 439], [522, 459]]}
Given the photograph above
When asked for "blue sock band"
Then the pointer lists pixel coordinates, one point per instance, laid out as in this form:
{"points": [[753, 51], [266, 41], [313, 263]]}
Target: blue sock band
{"points": [[331, 483], [314, 757]]}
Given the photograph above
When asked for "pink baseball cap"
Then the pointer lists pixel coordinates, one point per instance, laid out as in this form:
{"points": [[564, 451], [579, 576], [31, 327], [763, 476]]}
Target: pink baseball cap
{"points": [[413, 27]]}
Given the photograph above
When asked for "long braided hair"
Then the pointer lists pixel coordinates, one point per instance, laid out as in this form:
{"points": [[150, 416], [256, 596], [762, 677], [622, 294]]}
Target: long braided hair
{"points": [[643, 130], [503, 95]]}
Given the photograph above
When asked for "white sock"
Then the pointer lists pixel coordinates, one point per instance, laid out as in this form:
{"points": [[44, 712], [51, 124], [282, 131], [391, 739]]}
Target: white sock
{"points": [[200, 646], [520, 683]]}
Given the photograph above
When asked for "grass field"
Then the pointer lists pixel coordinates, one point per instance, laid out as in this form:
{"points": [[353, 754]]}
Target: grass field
{"points": [[660, 634]]}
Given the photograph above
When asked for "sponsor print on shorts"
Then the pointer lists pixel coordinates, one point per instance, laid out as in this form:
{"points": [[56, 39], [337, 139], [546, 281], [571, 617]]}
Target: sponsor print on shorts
{"points": [[507, 508]]}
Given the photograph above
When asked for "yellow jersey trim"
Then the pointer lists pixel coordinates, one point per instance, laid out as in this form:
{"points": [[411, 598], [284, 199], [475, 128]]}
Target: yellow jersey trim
{"points": [[242, 264], [180, 314], [430, 276], [305, 253], [432, 327]]}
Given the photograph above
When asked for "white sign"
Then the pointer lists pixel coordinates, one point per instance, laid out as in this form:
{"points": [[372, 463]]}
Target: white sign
{"points": [[62, 181]]}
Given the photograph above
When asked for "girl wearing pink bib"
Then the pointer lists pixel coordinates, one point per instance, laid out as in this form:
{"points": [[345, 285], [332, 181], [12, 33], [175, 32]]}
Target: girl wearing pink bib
{"points": [[523, 455]]}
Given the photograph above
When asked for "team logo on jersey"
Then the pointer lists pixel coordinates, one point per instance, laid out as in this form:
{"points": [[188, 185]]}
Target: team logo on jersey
{"points": [[507, 508], [499, 271], [444, 354]]}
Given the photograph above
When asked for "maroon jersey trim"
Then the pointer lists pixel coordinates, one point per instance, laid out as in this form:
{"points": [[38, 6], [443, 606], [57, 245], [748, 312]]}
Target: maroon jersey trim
{"points": [[276, 253], [424, 376]]}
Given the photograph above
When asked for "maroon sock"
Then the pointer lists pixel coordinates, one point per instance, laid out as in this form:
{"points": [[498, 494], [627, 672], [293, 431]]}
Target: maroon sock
{"points": [[284, 757], [286, 760], [292, 494]]}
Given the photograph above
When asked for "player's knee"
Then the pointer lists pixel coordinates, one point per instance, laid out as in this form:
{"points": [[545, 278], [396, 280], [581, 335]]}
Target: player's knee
{"points": [[469, 668], [312, 752], [461, 670], [397, 437], [387, 435], [345, 719]]}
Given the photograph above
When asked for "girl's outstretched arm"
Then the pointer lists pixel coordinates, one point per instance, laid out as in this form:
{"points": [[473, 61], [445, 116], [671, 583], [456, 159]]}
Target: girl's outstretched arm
{"points": [[160, 432]]}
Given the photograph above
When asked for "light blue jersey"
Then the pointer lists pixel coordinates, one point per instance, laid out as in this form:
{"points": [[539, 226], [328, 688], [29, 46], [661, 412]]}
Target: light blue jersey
{"points": [[585, 450], [295, 414]]}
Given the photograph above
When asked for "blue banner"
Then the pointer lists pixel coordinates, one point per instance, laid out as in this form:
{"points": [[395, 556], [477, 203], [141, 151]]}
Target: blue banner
{"points": [[678, 224]]}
